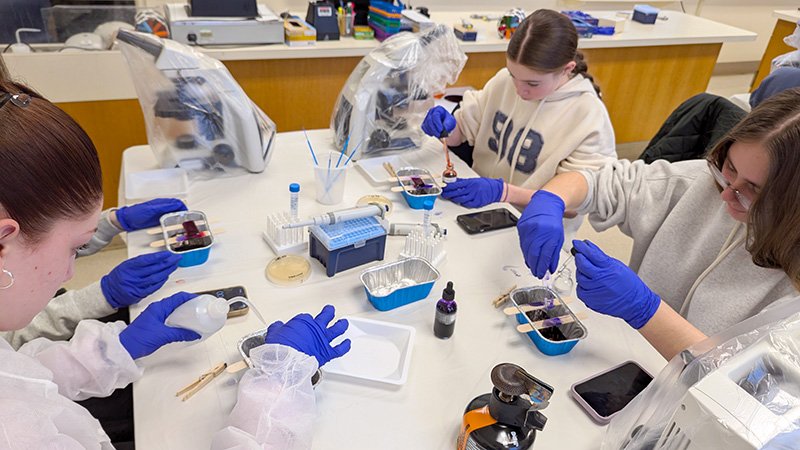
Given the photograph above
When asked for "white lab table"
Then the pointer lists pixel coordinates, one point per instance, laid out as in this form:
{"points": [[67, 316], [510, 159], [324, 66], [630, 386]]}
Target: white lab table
{"points": [[423, 413]]}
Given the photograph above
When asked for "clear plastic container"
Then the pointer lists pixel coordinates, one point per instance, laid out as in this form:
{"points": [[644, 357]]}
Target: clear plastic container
{"points": [[204, 314]]}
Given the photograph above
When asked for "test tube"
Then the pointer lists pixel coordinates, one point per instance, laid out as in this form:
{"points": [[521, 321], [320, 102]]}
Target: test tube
{"points": [[426, 218], [294, 194]]}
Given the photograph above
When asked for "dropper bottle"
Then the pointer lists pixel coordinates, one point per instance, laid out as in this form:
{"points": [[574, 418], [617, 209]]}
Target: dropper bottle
{"points": [[445, 320], [449, 175]]}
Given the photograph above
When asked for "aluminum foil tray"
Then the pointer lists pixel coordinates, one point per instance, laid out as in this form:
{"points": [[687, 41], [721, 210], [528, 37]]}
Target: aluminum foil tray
{"points": [[553, 340], [398, 283]]}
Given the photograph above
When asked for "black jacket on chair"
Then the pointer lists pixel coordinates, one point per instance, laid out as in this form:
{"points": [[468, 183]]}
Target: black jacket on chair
{"points": [[693, 129]]}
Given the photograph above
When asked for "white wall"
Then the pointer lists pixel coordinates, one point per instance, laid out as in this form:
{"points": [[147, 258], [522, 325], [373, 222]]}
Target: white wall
{"points": [[752, 15]]}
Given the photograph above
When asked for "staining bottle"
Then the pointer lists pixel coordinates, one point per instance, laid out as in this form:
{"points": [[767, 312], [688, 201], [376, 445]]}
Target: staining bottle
{"points": [[445, 321]]}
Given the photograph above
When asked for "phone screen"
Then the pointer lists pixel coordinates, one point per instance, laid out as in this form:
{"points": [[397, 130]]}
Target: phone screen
{"points": [[236, 308], [494, 219], [226, 293], [609, 392]]}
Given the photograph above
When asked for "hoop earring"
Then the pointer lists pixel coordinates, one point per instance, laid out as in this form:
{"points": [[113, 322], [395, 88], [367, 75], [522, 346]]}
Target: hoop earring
{"points": [[10, 275]]}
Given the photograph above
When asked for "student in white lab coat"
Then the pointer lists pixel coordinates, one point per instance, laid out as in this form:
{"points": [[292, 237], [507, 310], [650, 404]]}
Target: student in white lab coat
{"points": [[50, 200]]}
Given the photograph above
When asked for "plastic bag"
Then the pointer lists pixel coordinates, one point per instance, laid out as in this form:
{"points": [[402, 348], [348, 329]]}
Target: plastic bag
{"points": [[196, 115], [386, 97], [736, 390], [791, 59]]}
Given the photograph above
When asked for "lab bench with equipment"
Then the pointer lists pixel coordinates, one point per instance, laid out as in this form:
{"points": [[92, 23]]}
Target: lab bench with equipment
{"points": [[363, 401]]}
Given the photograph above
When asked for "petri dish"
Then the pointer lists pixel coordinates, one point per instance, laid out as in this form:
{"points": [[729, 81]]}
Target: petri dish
{"points": [[288, 270], [379, 199]]}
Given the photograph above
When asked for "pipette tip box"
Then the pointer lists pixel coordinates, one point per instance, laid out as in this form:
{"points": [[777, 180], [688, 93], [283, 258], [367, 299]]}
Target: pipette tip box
{"points": [[555, 340], [398, 283], [348, 244]]}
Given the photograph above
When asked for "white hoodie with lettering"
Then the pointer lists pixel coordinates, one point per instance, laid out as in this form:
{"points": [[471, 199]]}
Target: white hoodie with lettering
{"points": [[567, 130]]}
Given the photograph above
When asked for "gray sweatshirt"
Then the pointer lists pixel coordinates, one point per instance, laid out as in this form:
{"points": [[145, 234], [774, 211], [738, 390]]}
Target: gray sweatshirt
{"points": [[679, 226], [57, 322]]}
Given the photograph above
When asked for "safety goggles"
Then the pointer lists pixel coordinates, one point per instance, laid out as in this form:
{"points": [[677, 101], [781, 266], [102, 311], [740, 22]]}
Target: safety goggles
{"points": [[724, 184]]}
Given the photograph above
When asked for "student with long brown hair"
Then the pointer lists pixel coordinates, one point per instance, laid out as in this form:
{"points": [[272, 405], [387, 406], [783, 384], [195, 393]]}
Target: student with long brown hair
{"points": [[539, 116], [715, 241], [50, 199]]}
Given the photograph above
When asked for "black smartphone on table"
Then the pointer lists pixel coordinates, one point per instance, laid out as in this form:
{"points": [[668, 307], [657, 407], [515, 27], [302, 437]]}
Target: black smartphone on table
{"points": [[605, 394], [236, 308], [482, 221]]}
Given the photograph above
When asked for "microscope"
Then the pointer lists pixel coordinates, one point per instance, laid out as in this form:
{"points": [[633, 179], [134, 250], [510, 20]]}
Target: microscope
{"points": [[197, 116]]}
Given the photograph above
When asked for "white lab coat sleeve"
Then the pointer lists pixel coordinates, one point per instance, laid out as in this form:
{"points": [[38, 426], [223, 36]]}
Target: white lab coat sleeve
{"points": [[275, 408], [92, 364], [58, 320]]}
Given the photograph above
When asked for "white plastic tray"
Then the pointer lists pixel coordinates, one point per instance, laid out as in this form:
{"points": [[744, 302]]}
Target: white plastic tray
{"points": [[381, 351], [374, 170], [152, 184]]}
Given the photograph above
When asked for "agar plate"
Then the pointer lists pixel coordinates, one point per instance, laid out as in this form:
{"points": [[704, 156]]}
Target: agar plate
{"points": [[288, 270], [380, 351]]}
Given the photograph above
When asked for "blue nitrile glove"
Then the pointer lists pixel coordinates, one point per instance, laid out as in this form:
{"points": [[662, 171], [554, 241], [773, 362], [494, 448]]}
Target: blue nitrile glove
{"points": [[146, 215], [311, 335], [474, 192], [147, 333], [138, 277], [608, 286], [438, 120], [541, 232]]}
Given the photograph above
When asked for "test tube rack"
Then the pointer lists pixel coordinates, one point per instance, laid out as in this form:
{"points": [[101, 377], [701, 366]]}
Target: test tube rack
{"points": [[428, 246], [284, 240]]}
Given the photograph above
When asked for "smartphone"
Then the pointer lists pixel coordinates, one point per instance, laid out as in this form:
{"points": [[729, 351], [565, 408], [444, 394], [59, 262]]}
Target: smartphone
{"points": [[236, 308], [605, 394], [493, 219]]}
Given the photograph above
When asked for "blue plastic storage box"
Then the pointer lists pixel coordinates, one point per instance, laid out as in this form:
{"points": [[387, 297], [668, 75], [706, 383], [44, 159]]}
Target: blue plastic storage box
{"points": [[414, 193], [398, 283], [553, 340], [193, 250], [645, 14], [348, 244]]}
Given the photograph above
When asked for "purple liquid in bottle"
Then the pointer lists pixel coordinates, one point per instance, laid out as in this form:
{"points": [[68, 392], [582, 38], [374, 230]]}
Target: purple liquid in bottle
{"points": [[445, 321]]}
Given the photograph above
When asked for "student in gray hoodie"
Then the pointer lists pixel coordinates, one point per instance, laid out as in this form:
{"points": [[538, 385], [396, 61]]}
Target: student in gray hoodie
{"points": [[715, 240]]}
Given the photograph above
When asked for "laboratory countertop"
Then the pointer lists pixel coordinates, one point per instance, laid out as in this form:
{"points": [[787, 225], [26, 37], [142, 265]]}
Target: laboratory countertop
{"points": [[444, 375], [102, 75], [789, 15]]}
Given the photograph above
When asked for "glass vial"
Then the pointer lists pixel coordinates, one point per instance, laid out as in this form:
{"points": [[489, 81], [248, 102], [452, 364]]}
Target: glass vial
{"points": [[445, 321], [294, 194]]}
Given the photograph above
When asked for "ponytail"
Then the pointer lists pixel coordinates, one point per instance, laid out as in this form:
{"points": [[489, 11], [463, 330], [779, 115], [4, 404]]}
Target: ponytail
{"points": [[581, 68]]}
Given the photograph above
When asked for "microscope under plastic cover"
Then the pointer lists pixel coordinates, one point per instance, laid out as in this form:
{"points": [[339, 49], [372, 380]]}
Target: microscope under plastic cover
{"points": [[742, 405], [389, 92], [197, 116]]}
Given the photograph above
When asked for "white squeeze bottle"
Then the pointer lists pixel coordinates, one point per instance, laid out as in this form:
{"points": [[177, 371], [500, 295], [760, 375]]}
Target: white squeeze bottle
{"points": [[204, 314]]}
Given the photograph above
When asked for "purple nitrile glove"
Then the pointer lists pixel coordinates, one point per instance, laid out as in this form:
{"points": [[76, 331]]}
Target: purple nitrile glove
{"points": [[608, 286], [541, 232], [138, 277], [146, 215], [147, 333], [438, 120], [474, 192], [311, 335]]}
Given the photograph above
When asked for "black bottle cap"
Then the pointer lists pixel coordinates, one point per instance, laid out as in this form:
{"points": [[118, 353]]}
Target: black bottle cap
{"points": [[443, 134], [448, 293], [573, 251]]}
